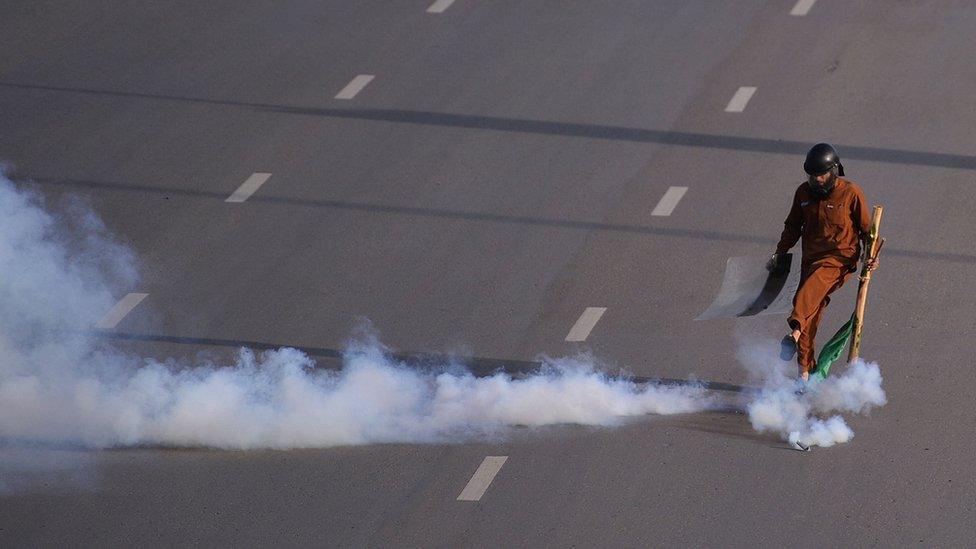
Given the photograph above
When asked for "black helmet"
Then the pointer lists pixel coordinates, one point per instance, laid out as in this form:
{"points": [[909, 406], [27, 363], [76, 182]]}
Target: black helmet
{"points": [[821, 158]]}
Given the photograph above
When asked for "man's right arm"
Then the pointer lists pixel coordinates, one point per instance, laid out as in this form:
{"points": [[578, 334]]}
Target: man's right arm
{"points": [[792, 227]]}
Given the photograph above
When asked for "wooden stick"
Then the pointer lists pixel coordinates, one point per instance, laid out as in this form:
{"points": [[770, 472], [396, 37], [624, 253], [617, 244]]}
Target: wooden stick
{"points": [[871, 251]]}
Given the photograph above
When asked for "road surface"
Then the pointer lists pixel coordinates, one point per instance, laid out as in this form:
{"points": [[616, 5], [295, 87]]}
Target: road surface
{"points": [[492, 180]]}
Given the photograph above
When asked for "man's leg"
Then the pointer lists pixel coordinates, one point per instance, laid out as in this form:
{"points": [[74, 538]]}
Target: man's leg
{"points": [[808, 306], [806, 348]]}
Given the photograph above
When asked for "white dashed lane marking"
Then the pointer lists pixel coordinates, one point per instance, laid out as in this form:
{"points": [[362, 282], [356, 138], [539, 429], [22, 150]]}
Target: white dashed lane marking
{"points": [[118, 312], [248, 187], [355, 86], [581, 330], [439, 6], [802, 7], [482, 478], [669, 201], [740, 99]]}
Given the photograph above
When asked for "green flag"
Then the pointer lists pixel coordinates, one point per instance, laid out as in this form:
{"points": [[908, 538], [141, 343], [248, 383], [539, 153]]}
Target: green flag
{"points": [[833, 349]]}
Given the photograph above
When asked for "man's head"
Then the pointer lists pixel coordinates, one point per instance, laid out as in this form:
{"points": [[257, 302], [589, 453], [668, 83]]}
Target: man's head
{"points": [[822, 166]]}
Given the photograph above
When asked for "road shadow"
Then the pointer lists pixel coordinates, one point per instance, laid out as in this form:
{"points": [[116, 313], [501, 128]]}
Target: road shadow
{"points": [[731, 423], [438, 213], [547, 127]]}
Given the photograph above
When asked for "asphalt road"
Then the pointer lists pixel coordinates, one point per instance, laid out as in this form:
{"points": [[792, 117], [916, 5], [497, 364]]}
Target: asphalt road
{"points": [[493, 180]]}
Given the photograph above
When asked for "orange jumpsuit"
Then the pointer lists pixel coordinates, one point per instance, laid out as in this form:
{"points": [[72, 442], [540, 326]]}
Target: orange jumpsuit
{"points": [[832, 229]]}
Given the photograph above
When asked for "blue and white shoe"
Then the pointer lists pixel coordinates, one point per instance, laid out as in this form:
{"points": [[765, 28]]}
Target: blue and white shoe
{"points": [[787, 348]]}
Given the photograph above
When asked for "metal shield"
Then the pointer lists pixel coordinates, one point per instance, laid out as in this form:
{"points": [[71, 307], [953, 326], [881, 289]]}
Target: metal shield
{"points": [[749, 289]]}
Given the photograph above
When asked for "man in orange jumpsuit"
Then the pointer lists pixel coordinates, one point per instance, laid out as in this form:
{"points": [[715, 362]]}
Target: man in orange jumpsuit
{"points": [[832, 216]]}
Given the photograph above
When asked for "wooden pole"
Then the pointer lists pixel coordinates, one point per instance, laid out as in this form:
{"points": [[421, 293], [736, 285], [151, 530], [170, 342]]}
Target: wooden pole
{"points": [[871, 250]]}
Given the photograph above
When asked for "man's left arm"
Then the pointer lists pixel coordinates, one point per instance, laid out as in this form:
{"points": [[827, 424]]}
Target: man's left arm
{"points": [[862, 220]]}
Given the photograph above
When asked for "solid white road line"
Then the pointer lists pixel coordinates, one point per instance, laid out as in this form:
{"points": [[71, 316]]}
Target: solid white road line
{"points": [[118, 312], [355, 86], [669, 201], [248, 187], [802, 7], [740, 99], [439, 6], [581, 330], [482, 478]]}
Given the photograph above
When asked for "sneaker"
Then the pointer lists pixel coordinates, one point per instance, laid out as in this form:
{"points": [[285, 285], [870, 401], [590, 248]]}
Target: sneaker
{"points": [[787, 348], [800, 386]]}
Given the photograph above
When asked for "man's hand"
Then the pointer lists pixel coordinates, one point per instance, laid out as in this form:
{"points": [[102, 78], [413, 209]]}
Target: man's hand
{"points": [[872, 264], [778, 264]]}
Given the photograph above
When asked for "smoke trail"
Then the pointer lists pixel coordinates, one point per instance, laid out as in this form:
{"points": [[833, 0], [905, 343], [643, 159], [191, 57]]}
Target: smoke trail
{"points": [[56, 385], [58, 275]]}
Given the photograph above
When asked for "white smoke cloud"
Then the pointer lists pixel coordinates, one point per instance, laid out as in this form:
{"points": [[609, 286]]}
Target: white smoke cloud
{"points": [[795, 415], [57, 385], [277, 400], [780, 406]]}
